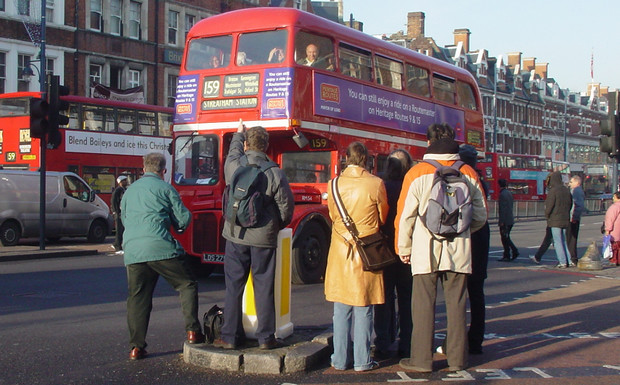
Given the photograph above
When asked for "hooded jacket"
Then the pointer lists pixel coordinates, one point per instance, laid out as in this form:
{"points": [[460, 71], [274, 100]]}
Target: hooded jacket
{"points": [[558, 203], [429, 254], [364, 197], [278, 189]]}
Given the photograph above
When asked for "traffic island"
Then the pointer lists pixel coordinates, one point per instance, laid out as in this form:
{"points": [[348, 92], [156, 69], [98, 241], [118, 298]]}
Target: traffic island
{"points": [[299, 353]]}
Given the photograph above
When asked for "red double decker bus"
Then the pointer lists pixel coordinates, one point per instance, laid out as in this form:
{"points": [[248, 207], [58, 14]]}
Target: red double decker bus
{"points": [[525, 175], [104, 138], [251, 64]]}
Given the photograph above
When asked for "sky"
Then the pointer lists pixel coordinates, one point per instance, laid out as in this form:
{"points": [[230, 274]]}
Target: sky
{"points": [[566, 34]]}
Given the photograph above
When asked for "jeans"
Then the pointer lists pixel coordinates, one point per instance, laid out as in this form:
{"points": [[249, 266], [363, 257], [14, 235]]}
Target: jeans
{"points": [[559, 243], [361, 317]]}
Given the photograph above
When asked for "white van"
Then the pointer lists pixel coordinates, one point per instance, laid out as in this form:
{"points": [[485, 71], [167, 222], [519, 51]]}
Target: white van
{"points": [[72, 207]]}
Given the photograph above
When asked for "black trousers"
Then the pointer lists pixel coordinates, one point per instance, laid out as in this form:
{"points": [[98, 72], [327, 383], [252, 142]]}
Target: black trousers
{"points": [[504, 232], [546, 242], [142, 279], [475, 286], [238, 261], [571, 240], [118, 238]]}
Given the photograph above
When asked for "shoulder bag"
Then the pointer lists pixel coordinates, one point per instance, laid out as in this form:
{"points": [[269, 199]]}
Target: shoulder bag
{"points": [[374, 249]]}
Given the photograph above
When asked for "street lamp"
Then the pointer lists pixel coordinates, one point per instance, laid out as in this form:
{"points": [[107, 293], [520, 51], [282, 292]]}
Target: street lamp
{"points": [[27, 72]]}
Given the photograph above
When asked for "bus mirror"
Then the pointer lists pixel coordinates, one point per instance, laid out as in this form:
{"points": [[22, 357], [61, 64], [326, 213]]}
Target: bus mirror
{"points": [[300, 140], [92, 196], [170, 148]]}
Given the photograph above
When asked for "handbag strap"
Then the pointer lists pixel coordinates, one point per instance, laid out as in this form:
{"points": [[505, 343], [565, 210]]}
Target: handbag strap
{"points": [[346, 219]]}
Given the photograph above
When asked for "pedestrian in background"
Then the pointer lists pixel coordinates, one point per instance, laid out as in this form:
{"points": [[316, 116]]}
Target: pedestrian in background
{"points": [[557, 211], [612, 227], [117, 196], [480, 240], [353, 290], [506, 221], [149, 208], [572, 232], [436, 260], [546, 242], [253, 248], [397, 276]]}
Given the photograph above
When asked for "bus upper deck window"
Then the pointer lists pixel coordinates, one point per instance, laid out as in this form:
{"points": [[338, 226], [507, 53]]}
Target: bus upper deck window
{"points": [[417, 81], [208, 52], [355, 62], [466, 96], [262, 47], [314, 51], [389, 72], [443, 89]]}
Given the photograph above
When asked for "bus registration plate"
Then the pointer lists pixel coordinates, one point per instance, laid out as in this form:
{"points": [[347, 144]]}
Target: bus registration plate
{"points": [[213, 258]]}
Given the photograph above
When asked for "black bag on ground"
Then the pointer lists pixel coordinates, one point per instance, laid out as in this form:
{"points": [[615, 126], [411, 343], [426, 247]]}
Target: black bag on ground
{"points": [[375, 252], [213, 321]]}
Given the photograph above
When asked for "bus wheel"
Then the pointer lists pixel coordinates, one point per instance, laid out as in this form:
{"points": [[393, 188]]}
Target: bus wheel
{"points": [[98, 231], [310, 254], [10, 233]]}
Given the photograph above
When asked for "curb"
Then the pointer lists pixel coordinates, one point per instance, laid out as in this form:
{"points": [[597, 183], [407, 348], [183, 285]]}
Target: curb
{"points": [[298, 357], [42, 254]]}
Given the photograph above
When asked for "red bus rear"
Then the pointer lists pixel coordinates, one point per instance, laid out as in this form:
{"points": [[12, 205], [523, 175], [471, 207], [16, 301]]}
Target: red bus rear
{"points": [[360, 88]]}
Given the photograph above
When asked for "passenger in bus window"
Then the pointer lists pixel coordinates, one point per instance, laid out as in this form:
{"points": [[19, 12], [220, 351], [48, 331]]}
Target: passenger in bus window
{"points": [[215, 62], [312, 56], [242, 59], [276, 55]]}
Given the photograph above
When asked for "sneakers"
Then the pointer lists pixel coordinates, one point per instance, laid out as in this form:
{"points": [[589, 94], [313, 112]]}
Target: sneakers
{"points": [[120, 252], [371, 366], [560, 266], [571, 264], [534, 259]]}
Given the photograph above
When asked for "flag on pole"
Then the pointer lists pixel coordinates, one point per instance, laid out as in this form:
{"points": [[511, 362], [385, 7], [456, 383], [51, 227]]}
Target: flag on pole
{"points": [[592, 66]]}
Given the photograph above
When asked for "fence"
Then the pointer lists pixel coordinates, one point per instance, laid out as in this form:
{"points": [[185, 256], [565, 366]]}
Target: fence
{"points": [[536, 209]]}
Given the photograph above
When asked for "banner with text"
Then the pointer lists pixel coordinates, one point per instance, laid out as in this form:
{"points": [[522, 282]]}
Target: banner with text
{"points": [[340, 98], [93, 142]]}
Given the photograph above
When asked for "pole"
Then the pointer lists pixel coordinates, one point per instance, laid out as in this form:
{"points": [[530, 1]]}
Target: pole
{"points": [[495, 110], [565, 127], [43, 89]]}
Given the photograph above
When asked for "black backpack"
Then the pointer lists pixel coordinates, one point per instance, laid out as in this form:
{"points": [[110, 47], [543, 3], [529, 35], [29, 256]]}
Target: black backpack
{"points": [[212, 322], [244, 198]]}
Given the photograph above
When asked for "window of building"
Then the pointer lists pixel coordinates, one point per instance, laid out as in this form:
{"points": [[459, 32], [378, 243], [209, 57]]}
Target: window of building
{"points": [[116, 17], [173, 27], [417, 80], [355, 62], [23, 7], [95, 72], [466, 96], [23, 84], [389, 72], [443, 89], [116, 77], [172, 90], [190, 20], [135, 19], [49, 11], [134, 78], [96, 16], [2, 71], [2, 6]]}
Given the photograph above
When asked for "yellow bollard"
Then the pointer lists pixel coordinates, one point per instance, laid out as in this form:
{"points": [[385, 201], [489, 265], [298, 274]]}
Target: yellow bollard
{"points": [[282, 291]]}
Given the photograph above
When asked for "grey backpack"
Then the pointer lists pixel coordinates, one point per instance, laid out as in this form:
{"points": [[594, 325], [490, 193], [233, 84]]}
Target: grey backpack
{"points": [[449, 210]]}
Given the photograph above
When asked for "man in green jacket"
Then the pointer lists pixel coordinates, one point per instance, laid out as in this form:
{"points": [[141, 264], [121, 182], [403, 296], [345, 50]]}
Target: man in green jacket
{"points": [[149, 208]]}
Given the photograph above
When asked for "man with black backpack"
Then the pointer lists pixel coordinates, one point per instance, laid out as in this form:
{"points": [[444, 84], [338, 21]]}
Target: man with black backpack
{"points": [[442, 239], [259, 203]]}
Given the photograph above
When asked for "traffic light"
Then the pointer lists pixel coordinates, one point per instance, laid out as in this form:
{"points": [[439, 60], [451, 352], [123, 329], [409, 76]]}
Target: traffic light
{"points": [[56, 108], [609, 136], [39, 124]]}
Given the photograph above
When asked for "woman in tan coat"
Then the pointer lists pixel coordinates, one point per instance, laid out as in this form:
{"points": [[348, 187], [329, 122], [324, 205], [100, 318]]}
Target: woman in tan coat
{"points": [[352, 289]]}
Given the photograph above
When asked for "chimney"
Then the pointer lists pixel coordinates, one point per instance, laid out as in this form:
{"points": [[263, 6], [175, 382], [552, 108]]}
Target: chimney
{"points": [[542, 69], [529, 63], [415, 25], [514, 59], [461, 35]]}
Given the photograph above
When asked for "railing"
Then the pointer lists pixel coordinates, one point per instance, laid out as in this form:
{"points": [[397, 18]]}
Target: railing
{"points": [[536, 209]]}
